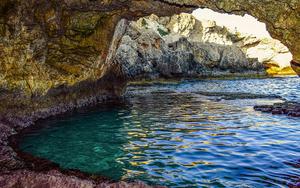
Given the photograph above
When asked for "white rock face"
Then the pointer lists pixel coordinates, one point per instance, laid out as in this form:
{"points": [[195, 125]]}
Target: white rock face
{"points": [[269, 50], [183, 46], [207, 31]]}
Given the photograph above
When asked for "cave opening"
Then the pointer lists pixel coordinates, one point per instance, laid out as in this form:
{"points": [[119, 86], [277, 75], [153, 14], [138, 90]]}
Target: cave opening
{"points": [[186, 132], [203, 43], [263, 47]]}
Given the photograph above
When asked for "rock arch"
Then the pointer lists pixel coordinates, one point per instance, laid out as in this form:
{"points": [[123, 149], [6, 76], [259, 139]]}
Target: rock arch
{"points": [[48, 45], [55, 54]]}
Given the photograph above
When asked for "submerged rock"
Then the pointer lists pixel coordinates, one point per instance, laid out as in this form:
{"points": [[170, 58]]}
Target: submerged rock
{"points": [[234, 96], [286, 108]]}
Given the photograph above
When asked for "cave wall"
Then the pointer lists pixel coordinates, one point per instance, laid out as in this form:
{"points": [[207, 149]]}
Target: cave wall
{"points": [[57, 55], [48, 45]]}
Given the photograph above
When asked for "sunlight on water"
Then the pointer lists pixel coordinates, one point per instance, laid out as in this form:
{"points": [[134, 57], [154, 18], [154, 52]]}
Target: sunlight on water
{"points": [[172, 135]]}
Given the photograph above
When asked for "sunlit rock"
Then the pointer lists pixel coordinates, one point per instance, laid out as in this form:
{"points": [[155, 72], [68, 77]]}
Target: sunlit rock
{"points": [[55, 55], [202, 48], [266, 50]]}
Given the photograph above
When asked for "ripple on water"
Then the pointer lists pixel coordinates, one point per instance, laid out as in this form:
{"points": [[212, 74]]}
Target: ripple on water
{"points": [[172, 135]]}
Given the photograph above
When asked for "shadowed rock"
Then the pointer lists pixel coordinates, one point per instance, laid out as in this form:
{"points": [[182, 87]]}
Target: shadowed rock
{"points": [[48, 44], [286, 108], [296, 66], [54, 57]]}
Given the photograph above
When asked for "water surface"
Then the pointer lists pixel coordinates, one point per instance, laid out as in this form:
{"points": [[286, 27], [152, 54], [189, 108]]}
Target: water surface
{"points": [[172, 135]]}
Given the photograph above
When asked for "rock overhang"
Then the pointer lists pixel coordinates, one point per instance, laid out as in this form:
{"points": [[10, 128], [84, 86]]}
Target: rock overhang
{"points": [[46, 44], [55, 51]]}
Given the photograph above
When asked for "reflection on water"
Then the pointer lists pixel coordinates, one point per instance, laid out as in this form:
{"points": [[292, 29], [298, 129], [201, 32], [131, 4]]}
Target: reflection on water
{"points": [[170, 135]]}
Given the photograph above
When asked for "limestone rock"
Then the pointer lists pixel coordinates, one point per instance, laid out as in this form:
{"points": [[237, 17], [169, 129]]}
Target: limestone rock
{"points": [[281, 25], [53, 57], [269, 52], [183, 46], [60, 44]]}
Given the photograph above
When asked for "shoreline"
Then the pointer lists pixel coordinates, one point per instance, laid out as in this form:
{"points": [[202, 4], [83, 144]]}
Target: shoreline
{"points": [[31, 167], [42, 165], [18, 162]]}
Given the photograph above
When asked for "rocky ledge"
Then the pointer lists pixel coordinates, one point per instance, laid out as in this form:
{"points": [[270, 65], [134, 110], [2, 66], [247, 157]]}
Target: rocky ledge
{"points": [[286, 108], [54, 178], [56, 55], [19, 169], [235, 96]]}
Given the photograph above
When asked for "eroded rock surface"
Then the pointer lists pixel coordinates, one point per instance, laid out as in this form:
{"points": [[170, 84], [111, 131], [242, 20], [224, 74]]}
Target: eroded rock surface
{"points": [[281, 17], [182, 46], [49, 44], [55, 56], [53, 178], [58, 53]]}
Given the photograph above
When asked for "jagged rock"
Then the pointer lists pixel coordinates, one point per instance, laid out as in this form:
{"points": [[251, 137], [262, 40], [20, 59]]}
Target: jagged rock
{"points": [[59, 44], [181, 45], [49, 44], [53, 178], [213, 47], [54, 55], [287, 108]]}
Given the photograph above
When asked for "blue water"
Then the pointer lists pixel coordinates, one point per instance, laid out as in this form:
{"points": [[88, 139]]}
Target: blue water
{"points": [[170, 135]]}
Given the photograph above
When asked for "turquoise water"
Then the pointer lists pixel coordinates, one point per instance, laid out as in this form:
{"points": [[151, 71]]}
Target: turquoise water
{"points": [[171, 135]]}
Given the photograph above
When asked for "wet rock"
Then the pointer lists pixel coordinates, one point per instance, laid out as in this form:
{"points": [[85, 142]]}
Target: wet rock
{"points": [[55, 179], [294, 185], [53, 59], [287, 108], [25, 178], [8, 157], [264, 108], [234, 96]]}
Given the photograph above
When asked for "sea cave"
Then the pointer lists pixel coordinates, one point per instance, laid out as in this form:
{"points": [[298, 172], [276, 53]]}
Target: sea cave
{"points": [[149, 93]]}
